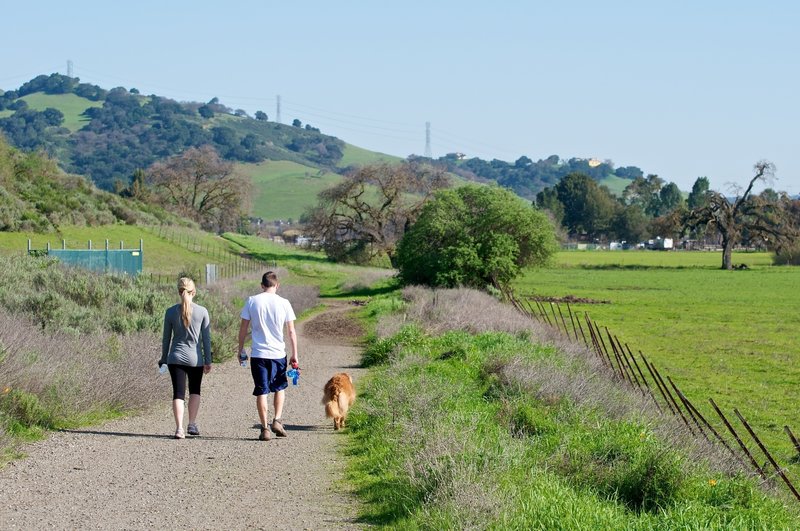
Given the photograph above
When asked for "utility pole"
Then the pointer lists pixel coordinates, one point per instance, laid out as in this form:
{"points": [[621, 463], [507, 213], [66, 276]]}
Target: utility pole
{"points": [[278, 112], [69, 68], [427, 139]]}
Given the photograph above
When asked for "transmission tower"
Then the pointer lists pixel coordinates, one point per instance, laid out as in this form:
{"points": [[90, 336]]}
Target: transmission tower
{"points": [[69, 68], [278, 112], [427, 139]]}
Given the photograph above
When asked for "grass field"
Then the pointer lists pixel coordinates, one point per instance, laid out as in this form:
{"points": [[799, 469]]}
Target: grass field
{"points": [[161, 255], [728, 335], [71, 105], [615, 184], [284, 189], [313, 268], [354, 155]]}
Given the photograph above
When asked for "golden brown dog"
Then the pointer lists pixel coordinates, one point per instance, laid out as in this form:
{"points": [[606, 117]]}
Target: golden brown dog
{"points": [[339, 396]]}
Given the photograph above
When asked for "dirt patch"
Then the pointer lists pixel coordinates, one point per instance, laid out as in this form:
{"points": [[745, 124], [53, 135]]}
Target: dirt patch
{"points": [[337, 325], [569, 299]]}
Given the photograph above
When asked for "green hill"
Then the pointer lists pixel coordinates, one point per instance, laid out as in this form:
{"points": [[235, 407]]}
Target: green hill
{"points": [[37, 196], [284, 189], [72, 106], [108, 134], [356, 156]]}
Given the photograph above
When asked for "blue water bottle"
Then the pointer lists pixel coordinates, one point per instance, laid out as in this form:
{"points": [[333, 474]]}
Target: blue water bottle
{"points": [[294, 373], [243, 358]]}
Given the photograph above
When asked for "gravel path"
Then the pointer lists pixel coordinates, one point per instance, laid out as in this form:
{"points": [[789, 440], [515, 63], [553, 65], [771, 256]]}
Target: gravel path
{"points": [[130, 473]]}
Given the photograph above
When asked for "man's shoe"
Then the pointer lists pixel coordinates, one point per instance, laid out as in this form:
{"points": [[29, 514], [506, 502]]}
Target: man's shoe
{"points": [[265, 435], [277, 427], [179, 433], [192, 429]]}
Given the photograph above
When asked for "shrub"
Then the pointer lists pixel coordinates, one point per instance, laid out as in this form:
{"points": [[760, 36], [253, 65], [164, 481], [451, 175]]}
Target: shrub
{"points": [[474, 236], [789, 255]]}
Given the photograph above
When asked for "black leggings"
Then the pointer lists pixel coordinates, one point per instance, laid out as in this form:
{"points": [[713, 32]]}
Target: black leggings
{"points": [[178, 373]]}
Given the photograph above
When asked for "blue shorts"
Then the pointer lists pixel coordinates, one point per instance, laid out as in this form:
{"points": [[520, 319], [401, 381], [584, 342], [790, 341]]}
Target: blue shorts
{"points": [[269, 376]]}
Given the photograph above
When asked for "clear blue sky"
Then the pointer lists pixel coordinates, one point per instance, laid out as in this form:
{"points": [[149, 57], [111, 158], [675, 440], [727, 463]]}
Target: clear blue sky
{"points": [[680, 89]]}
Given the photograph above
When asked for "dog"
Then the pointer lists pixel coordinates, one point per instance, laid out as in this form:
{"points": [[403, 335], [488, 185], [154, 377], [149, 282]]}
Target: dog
{"points": [[339, 395]]}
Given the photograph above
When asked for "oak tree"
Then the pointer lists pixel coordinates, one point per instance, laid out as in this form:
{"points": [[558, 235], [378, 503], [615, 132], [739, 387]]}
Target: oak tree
{"points": [[200, 185], [364, 216]]}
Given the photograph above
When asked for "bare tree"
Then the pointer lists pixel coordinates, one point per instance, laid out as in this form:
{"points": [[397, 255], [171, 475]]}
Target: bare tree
{"points": [[366, 214], [762, 217], [201, 186]]}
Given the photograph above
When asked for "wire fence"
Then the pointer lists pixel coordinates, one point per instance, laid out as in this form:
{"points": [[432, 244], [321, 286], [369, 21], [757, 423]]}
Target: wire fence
{"points": [[222, 261], [639, 373]]}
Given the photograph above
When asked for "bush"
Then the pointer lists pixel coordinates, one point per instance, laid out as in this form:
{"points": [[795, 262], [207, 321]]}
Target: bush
{"points": [[788, 256], [474, 236]]}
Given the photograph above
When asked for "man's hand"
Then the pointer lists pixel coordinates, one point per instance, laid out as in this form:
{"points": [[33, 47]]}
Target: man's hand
{"points": [[206, 369]]}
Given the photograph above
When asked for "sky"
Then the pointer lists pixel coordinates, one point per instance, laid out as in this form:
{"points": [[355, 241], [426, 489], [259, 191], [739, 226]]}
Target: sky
{"points": [[680, 89]]}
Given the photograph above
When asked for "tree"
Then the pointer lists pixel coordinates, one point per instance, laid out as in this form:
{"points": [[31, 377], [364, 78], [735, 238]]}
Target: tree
{"points": [[670, 198], [297, 123], [474, 236], [645, 192], [53, 116], [200, 185], [759, 216], [588, 207], [547, 200], [698, 194], [365, 215], [205, 111], [630, 224], [261, 116]]}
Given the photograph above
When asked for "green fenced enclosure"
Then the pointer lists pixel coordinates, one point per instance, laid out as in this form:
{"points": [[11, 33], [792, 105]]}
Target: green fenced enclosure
{"points": [[104, 260]]}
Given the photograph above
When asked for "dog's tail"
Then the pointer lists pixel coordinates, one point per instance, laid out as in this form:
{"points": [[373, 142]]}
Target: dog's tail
{"points": [[333, 407]]}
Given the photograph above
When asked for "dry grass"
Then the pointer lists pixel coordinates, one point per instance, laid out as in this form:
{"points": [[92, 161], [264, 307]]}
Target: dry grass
{"points": [[575, 374], [77, 376], [234, 291], [363, 278]]}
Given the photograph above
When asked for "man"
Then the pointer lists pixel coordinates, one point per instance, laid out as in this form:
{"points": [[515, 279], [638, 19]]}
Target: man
{"points": [[267, 314]]}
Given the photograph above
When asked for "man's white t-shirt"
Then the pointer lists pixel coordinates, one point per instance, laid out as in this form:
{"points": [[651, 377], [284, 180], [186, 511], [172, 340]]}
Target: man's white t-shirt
{"points": [[267, 313]]}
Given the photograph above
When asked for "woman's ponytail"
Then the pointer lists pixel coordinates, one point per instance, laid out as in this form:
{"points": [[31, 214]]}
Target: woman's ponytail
{"points": [[186, 290]]}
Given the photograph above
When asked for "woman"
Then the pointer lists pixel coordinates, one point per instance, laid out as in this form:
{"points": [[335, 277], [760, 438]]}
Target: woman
{"points": [[186, 328]]}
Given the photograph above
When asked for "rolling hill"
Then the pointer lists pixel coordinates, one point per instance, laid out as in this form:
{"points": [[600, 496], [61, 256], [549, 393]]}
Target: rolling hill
{"points": [[108, 134]]}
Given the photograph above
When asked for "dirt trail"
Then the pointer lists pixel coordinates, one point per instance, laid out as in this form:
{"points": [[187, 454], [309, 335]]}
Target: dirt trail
{"points": [[131, 474]]}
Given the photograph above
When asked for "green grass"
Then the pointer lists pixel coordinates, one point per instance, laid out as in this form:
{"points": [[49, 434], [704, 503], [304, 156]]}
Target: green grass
{"points": [[615, 184], [165, 255], [71, 105], [726, 335], [441, 442], [284, 189], [356, 156], [313, 268]]}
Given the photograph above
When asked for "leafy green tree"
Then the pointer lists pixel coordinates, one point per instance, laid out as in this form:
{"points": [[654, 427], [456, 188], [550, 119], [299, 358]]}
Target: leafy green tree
{"points": [[205, 111], [297, 123], [670, 198], [261, 116], [698, 194], [630, 224], [53, 116], [588, 207], [474, 236], [645, 193], [547, 200]]}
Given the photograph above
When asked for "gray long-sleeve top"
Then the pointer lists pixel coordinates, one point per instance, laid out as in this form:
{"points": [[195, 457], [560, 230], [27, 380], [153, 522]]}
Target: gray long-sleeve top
{"points": [[181, 345]]}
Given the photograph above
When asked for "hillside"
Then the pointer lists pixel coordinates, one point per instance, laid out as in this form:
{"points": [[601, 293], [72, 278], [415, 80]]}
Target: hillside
{"points": [[107, 134], [37, 196]]}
